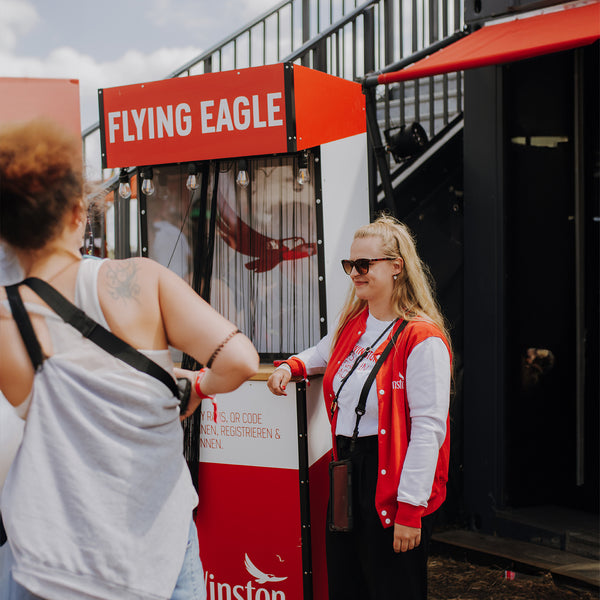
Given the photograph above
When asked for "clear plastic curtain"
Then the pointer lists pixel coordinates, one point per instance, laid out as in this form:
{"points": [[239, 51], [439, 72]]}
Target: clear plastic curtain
{"points": [[265, 270]]}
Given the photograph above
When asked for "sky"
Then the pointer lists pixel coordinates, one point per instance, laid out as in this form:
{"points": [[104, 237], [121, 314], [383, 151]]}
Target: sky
{"points": [[113, 42]]}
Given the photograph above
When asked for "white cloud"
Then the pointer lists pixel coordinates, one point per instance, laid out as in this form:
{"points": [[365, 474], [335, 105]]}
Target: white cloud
{"points": [[132, 67], [20, 17], [65, 62], [16, 17]]}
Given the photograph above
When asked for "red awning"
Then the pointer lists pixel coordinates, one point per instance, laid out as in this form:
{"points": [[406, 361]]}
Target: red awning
{"points": [[524, 37]]}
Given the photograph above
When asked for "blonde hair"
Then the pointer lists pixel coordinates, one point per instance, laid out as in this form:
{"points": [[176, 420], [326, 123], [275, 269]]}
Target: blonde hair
{"points": [[412, 295]]}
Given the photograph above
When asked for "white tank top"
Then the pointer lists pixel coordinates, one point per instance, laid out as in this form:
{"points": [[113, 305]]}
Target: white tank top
{"points": [[99, 499]]}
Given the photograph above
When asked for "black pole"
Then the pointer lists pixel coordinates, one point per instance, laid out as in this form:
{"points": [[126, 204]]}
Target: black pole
{"points": [[380, 154], [305, 533]]}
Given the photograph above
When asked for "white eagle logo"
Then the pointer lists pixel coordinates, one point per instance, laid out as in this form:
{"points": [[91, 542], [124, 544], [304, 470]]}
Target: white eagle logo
{"points": [[258, 575]]}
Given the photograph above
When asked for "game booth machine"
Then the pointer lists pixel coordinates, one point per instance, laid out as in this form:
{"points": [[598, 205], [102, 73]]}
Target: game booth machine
{"points": [[252, 183]]}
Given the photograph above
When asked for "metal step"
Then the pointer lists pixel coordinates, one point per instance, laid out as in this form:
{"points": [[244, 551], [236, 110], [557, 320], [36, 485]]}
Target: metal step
{"points": [[567, 567], [557, 527]]}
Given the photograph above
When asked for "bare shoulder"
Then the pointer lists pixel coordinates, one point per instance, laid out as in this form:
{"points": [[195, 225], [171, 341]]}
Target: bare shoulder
{"points": [[128, 280]]}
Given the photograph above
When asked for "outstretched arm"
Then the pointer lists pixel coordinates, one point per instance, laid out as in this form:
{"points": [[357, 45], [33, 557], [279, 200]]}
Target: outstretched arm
{"points": [[194, 327]]}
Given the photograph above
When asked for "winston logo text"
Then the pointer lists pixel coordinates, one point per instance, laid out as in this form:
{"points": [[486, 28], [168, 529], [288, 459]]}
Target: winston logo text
{"points": [[248, 591]]}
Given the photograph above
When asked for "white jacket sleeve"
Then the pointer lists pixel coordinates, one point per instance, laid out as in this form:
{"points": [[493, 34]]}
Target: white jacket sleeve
{"points": [[315, 358], [428, 395]]}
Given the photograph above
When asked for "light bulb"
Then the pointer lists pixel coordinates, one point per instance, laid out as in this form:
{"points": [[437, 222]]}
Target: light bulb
{"points": [[124, 187], [125, 190], [242, 178], [192, 182], [303, 176], [89, 238], [148, 187]]}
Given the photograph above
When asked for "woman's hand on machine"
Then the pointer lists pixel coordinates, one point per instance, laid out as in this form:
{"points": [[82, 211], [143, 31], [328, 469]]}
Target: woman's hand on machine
{"points": [[278, 381], [406, 538]]}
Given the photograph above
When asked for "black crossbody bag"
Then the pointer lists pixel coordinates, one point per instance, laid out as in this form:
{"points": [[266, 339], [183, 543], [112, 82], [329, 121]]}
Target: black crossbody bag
{"points": [[340, 517]]}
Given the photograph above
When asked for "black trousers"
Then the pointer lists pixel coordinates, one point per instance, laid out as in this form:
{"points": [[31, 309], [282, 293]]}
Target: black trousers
{"points": [[362, 564]]}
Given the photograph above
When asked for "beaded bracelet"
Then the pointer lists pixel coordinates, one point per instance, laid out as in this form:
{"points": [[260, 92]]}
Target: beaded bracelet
{"points": [[221, 346]]}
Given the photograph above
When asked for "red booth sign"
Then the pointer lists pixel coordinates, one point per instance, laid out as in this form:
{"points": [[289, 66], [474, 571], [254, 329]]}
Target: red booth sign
{"points": [[194, 118], [246, 112]]}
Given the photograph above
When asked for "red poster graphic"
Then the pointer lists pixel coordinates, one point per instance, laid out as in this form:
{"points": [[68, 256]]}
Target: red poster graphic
{"points": [[210, 116]]}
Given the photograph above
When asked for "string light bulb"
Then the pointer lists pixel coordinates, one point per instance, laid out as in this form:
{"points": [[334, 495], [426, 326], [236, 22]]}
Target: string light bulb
{"points": [[192, 181], [303, 174], [89, 237], [242, 179], [147, 183], [124, 187]]}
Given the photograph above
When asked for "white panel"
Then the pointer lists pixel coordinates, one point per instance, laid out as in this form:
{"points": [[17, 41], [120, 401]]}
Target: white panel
{"points": [[319, 429], [253, 428], [344, 177]]}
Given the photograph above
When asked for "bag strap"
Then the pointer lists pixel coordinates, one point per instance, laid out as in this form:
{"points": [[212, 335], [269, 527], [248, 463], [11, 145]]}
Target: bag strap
{"points": [[356, 363], [362, 401], [23, 322], [96, 333]]}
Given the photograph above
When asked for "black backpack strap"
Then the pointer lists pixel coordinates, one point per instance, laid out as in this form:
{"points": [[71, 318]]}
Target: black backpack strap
{"points": [[99, 335], [362, 402], [25, 327]]}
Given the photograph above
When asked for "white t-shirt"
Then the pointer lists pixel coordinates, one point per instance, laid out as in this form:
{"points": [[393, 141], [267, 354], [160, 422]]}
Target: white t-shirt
{"points": [[375, 334], [98, 501]]}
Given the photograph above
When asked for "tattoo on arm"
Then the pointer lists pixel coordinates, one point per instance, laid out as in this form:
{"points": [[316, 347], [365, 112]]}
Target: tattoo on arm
{"points": [[121, 278]]}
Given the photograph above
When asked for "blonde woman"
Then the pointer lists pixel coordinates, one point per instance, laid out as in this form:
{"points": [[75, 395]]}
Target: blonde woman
{"points": [[399, 448], [98, 501]]}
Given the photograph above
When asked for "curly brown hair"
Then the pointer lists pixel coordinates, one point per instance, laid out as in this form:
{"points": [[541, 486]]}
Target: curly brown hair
{"points": [[40, 181]]}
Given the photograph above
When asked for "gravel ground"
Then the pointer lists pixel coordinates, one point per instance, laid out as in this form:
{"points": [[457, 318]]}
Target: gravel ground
{"points": [[451, 579]]}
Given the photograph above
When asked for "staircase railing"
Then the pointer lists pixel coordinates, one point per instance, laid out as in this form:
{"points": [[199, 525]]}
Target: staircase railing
{"points": [[344, 39]]}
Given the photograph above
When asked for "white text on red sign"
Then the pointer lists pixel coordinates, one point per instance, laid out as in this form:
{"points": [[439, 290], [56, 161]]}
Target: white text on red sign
{"points": [[213, 116]]}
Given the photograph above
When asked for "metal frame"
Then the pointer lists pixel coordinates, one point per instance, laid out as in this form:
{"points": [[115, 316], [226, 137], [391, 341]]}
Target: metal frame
{"points": [[321, 39], [580, 322], [378, 148], [303, 477], [320, 242], [484, 298]]}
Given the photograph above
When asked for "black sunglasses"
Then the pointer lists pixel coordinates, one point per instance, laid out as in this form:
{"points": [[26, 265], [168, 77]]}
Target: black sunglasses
{"points": [[361, 265]]}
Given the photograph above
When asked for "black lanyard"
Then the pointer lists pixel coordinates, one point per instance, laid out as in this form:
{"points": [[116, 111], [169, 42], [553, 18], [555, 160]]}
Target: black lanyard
{"points": [[357, 362], [362, 402]]}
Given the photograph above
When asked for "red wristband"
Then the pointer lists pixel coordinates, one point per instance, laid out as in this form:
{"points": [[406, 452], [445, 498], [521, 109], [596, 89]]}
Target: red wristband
{"points": [[200, 393]]}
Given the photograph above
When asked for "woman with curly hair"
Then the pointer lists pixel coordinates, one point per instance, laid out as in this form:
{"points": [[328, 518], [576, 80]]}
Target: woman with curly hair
{"points": [[98, 501]]}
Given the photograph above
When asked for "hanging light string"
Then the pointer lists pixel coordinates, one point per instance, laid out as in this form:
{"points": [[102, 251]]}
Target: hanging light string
{"points": [[183, 223]]}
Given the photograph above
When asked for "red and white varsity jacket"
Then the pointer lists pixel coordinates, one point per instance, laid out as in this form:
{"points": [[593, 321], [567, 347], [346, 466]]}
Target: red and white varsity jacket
{"points": [[394, 419]]}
